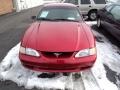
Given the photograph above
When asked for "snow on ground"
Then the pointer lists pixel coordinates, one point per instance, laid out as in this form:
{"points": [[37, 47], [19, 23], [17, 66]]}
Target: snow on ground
{"points": [[94, 79], [91, 23], [11, 69], [105, 54]]}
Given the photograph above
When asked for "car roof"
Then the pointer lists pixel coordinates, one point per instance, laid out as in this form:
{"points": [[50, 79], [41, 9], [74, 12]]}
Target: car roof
{"points": [[59, 5]]}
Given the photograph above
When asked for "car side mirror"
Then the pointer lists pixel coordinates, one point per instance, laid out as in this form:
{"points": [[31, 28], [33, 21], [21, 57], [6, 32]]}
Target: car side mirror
{"points": [[33, 17], [84, 18], [103, 9], [77, 6], [110, 15]]}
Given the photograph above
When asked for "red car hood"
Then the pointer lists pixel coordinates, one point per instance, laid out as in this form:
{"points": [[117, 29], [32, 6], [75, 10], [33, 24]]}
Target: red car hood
{"points": [[56, 36]]}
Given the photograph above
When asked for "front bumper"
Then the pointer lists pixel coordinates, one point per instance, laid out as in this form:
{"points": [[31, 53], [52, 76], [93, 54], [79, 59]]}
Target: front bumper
{"points": [[57, 65]]}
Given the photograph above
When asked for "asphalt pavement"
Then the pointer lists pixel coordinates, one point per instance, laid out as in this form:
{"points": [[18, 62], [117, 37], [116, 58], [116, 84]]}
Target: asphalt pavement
{"points": [[12, 28]]}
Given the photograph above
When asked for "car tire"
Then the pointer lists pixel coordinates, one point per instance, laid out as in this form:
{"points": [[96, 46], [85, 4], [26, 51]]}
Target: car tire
{"points": [[92, 15], [98, 22], [66, 74]]}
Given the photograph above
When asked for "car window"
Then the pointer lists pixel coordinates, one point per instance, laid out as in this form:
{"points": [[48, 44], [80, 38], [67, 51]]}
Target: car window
{"points": [[85, 1], [100, 1], [72, 1], [115, 12], [58, 13], [108, 8]]}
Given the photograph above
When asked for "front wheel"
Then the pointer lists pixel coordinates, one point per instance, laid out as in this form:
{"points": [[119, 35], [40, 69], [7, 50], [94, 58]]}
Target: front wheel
{"points": [[92, 15]]}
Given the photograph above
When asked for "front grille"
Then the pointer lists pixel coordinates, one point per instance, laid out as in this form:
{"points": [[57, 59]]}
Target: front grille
{"points": [[57, 54]]}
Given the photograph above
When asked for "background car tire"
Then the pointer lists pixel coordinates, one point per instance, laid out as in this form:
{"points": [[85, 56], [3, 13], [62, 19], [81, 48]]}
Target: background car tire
{"points": [[92, 15], [98, 22]]}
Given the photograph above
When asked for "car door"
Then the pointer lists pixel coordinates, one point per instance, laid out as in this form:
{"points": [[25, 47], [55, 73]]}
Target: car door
{"points": [[111, 19], [99, 4], [116, 21], [85, 6], [106, 16]]}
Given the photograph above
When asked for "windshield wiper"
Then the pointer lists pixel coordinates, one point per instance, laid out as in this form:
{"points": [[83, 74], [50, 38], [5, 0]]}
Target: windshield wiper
{"points": [[46, 19], [61, 19]]}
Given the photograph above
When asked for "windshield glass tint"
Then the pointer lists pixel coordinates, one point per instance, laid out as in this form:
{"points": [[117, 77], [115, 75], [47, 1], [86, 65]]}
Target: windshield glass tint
{"points": [[100, 1], [60, 14]]}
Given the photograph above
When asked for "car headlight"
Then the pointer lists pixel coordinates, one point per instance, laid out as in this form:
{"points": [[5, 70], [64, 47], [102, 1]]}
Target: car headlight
{"points": [[29, 51], [86, 52]]}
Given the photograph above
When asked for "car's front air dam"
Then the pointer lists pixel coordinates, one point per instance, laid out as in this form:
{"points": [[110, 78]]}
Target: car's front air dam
{"points": [[57, 65]]}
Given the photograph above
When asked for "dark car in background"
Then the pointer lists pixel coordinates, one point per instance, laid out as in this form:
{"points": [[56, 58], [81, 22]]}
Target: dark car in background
{"points": [[109, 18]]}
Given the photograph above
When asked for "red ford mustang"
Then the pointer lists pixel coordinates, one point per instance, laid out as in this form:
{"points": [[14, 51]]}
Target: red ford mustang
{"points": [[58, 41]]}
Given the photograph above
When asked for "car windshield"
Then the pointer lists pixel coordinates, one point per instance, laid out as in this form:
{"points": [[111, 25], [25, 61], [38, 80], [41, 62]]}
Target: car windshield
{"points": [[115, 12], [59, 14]]}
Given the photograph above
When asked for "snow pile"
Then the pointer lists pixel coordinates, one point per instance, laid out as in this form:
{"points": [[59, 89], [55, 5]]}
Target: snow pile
{"points": [[105, 54], [99, 71], [11, 69], [94, 79], [91, 23]]}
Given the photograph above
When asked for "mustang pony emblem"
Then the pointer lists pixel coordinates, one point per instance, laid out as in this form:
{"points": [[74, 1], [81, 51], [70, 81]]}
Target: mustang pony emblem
{"points": [[57, 54]]}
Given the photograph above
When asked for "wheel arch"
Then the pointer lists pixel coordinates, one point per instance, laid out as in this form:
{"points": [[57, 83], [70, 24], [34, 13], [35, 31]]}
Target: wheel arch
{"points": [[93, 10]]}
